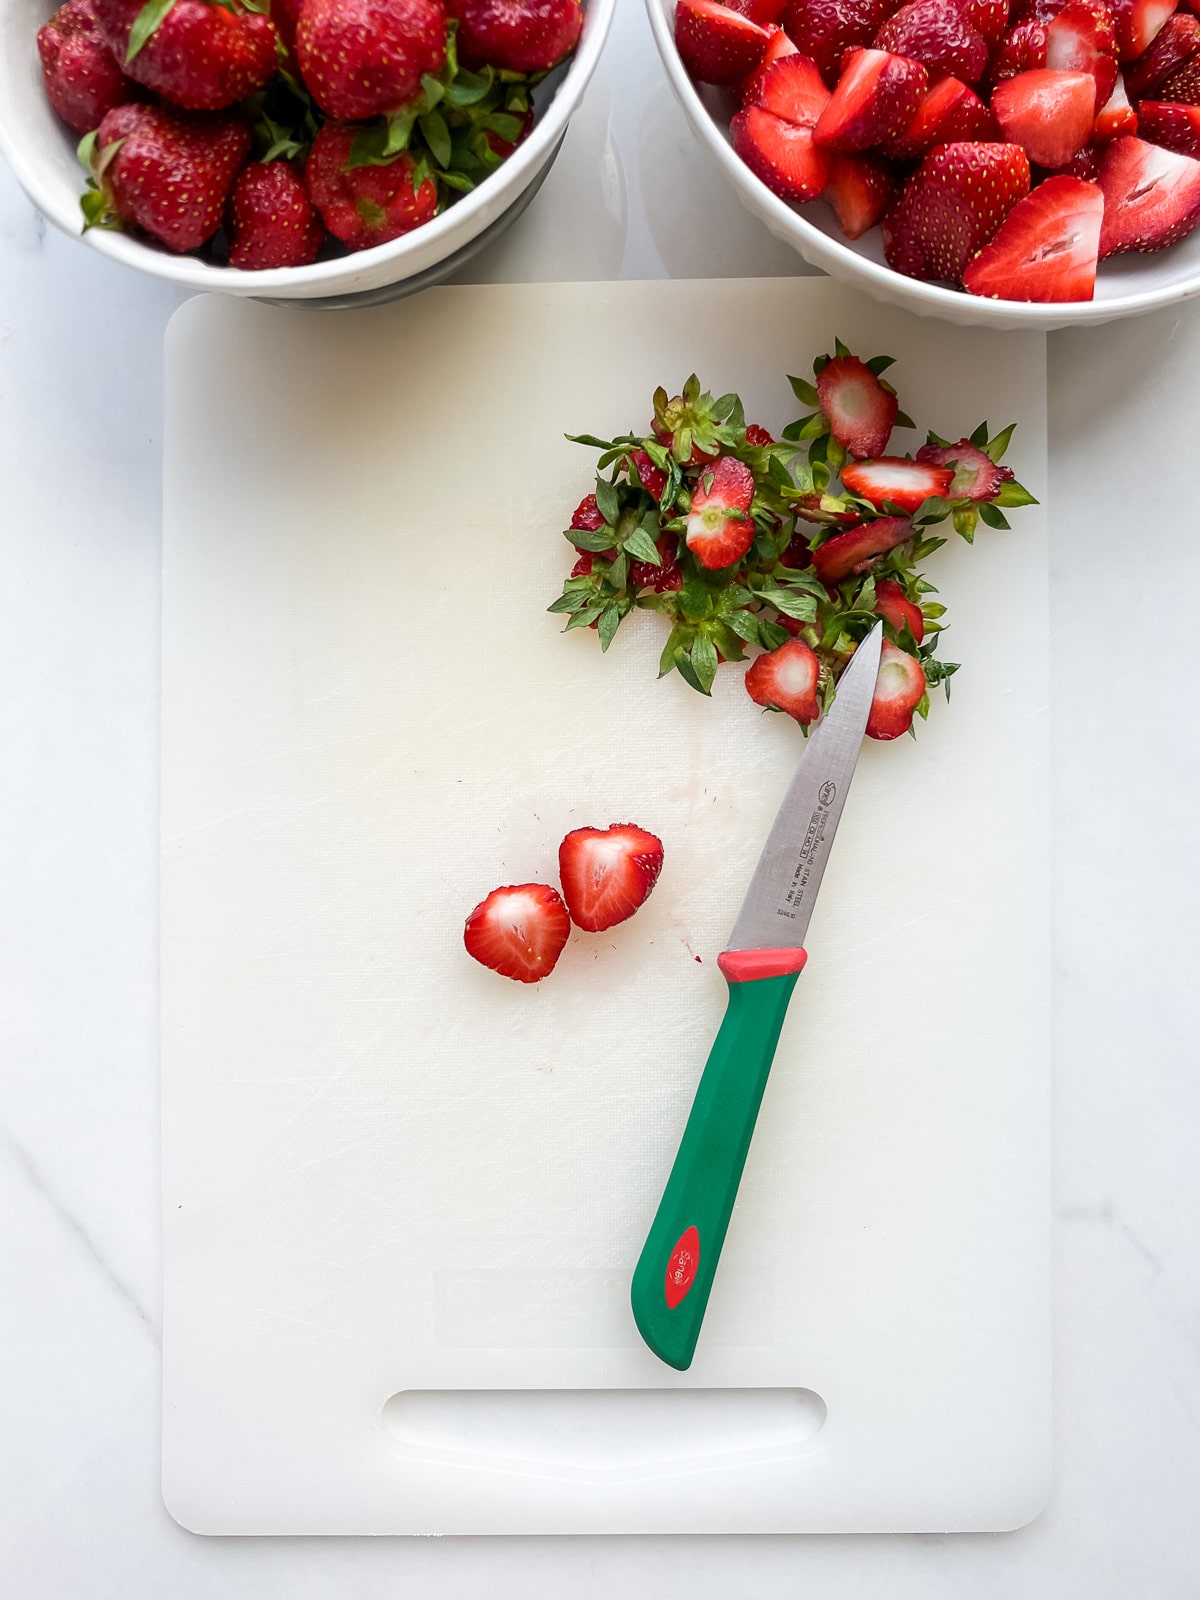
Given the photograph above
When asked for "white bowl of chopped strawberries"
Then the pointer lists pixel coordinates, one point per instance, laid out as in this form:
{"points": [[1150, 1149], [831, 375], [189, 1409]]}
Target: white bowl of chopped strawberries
{"points": [[1008, 162], [290, 149]]}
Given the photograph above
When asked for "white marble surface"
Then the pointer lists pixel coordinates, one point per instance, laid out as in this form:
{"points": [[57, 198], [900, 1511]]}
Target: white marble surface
{"points": [[80, 1515]]}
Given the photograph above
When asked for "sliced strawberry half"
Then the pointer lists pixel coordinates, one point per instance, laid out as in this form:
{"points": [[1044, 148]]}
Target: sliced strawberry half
{"points": [[778, 46], [1049, 114], [861, 190], [858, 547], [793, 89], [1171, 126], [938, 34], [717, 44], [720, 528], [786, 680], [607, 873], [1151, 197], [1047, 247], [897, 610], [519, 931], [976, 475], [949, 113], [860, 411], [1183, 86], [898, 691], [1138, 23], [896, 481], [1081, 38], [1116, 116], [874, 101], [1176, 43], [951, 206], [783, 155]]}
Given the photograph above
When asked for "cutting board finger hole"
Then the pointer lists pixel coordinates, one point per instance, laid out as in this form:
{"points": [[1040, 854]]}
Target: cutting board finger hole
{"points": [[602, 1435]]}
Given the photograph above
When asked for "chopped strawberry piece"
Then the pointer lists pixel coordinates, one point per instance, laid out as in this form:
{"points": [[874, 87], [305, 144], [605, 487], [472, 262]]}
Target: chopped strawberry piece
{"points": [[715, 43], [720, 528], [792, 89], [519, 932], [936, 33], [949, 113], [951, 207], [778, 46], [1151, 197], [786, 680], [826, 29], [664, 577], [1023, 49], [987, 17], [857, 548], [860, 190], [1138, 23], [607, 873], [1116, 116], [1081, 38], [1049, 114], [898, 691], [897, 610], [653, 479], [860, 411], [1183, 86], [587, 516], [758, 436], [1176, 43], [583, 567], [783, 155], [1047, 247], [976, 475], [765, 12], [896, 481], [1171, 126], [874, 101]]}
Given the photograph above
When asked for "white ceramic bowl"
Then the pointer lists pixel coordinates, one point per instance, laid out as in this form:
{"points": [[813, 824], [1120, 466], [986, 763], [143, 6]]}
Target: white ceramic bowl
{"points": [[41, 152], [1126, 285]]}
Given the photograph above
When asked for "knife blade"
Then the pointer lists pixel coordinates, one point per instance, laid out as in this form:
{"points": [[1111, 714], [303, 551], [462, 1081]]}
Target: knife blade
{"points": [[678, 1263]]}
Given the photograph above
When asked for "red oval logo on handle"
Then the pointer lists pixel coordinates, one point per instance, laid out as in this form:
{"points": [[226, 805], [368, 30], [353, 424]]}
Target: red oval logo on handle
{"points": [[681, 1268]]}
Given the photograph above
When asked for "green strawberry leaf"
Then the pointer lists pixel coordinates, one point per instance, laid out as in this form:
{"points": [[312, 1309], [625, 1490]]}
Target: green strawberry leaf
{"points": [[641, 547], [980, 437], [879, 364], [903, 420], [437, 136], [607, 625], [1013, 494], [594, 541], [145, 24], [996, 448], [607, 501], [993, 516], [85, 149]]}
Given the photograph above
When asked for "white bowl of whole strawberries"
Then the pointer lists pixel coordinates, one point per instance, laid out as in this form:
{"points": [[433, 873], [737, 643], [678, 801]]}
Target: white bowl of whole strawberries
{"points": [[1008, 162], [294, 149]]}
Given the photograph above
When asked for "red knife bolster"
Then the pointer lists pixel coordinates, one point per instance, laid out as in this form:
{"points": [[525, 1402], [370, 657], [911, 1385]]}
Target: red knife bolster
{"points": [[743, 966]]}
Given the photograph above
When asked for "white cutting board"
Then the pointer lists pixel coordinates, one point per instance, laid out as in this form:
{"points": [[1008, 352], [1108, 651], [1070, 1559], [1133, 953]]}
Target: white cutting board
{"points": [[403, 1197]]}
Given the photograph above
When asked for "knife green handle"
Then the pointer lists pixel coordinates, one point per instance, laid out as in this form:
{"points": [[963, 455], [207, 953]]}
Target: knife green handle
{"points": [[678, 1263]]}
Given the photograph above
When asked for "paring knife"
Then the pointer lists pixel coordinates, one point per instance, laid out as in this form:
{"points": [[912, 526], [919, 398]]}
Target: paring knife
{"points": [[675, 1272]]}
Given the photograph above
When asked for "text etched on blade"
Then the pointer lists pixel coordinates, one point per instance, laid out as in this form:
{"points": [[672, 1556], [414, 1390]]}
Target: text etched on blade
{"points": [[813, 836]]}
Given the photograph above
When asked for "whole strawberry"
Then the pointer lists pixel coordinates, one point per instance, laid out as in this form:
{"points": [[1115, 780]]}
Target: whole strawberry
{"points": [[361, 58], [365, 206], [168, 172], [272, 221], [83, 80], [825, 29], [200, 56], [516, 35]]}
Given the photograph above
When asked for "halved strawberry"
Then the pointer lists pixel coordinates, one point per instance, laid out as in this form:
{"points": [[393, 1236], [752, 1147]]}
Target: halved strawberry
{"points": [[1049, 114], [860, 411], [1183, 86], [1171, 126], [1138, 23], [1047, 247], [860, 190], [715, 43], [1176, 43], [898, 691], [720, 528], [778, 46], [519, 932], [826, 29], [607, 873], [874, 101], [896, 481], [937, 34], [951, 206], [1151, 197], [976, 475], [1116, 116], [786, 680], [897, 610], [950, 112], [1081, 38], [858, 547], [783, 155], [793, 89]]}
